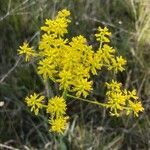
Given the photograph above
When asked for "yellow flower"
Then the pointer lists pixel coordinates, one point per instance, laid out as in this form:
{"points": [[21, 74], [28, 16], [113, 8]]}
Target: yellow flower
{"points": [[56, 106], [46, 68], [65, 79], [96, 62], [58, 125], [46, 42], [133, 94], [35, 101], [27, 51], [117, 64], [136, 107], [114, 86], [59, 25], [82, 87], [115, 99], [63, 13], [121, 100], [103, 34], [108, 53]]}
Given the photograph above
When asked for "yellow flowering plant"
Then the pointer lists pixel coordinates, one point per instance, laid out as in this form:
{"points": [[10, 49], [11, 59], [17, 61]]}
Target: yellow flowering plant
{"points": [[70, 63]]}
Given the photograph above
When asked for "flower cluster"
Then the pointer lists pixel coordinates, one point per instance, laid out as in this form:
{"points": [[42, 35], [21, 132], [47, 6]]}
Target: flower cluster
{"points": [[70, 63], [120, 100], [56, 108]]}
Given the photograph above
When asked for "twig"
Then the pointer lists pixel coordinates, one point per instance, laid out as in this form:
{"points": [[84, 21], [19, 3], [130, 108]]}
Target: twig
{"points": [[10, 71], [8, 147], [17, 9], [142, 84], [108, 24], [6, 15]]}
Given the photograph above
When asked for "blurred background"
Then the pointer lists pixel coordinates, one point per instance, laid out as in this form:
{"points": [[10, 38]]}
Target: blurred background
{"points": [[90, 127]]}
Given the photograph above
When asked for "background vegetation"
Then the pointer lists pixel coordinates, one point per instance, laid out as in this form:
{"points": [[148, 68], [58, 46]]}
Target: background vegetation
{"points": [[90, 127]]}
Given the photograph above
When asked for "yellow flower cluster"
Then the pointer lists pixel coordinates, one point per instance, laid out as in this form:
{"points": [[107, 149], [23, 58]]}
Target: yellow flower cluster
{"points": [[59, 25], [56, 107], [120, 100], [70, 63]]}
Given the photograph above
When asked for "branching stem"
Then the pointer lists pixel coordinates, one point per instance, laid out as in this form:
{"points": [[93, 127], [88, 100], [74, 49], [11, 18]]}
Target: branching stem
{"points": [[86, 100]]}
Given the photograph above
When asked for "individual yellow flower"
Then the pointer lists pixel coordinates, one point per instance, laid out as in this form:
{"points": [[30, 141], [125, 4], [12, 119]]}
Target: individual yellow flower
{"points": [[48, 26], [56, 106], [113, 86], [108, 53], [103, 34], [81, 71], [65, 79], [58, 125], [117, 64], [35, 101], [46, 68], [133, 94], [82, 87], [46, 42], [78, 43], [63, 13], [116, 103], [27, 51], [135, 107], [96, 62], [115, 98]]}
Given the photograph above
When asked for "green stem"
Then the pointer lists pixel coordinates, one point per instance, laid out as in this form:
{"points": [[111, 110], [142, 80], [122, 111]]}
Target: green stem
{"points": [[100, 46], [85, 100], [45, 106], [64, 94]]}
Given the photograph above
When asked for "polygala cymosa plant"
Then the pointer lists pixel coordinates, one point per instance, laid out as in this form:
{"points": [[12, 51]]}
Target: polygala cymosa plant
{"points": [[70, 63]]}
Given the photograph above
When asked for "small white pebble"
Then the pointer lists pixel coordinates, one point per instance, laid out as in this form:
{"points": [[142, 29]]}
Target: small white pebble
{"points": [[1, 103], [120, 22]]}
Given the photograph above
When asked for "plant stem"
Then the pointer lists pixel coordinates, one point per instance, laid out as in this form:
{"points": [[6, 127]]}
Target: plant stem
{"points": [[100, 46], [64, 94], [85, 100]]}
